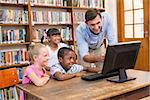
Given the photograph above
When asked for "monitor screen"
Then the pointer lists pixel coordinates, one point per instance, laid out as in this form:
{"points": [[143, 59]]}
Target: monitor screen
{"points": [[119, 57]]}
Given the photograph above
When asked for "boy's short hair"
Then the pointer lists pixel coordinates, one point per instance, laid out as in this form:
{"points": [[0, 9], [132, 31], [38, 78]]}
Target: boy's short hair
{"points": [[63, 51], [53, 31], [91, 14]]}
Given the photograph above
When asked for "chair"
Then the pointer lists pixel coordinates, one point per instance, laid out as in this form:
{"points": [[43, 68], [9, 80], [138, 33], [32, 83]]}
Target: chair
{"points": [[8, 77]]}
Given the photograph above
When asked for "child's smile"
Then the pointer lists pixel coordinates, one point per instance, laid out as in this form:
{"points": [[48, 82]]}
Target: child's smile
{"points": [[68, 60]]}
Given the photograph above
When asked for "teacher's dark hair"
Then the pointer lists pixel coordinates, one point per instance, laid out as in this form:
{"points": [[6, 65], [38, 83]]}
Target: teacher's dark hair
{"points": [[91, 14]]}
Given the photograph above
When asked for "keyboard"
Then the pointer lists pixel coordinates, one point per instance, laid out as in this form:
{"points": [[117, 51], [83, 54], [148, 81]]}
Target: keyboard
{"points": [[98, 76]]}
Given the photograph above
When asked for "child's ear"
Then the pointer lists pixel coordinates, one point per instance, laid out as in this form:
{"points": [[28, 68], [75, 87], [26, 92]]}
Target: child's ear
{"points": [[60, 59], [48, 38], [34, 57]]}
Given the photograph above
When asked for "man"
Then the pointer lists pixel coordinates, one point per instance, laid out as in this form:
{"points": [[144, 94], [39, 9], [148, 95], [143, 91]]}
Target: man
{"points": [[90, 36]]}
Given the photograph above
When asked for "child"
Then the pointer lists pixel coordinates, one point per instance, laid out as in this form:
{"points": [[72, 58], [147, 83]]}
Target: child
{"points": [[36, 72], [67, 67], [54, 39]]}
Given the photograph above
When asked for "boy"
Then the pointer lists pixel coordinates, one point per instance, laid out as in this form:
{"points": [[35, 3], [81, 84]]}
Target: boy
{"points": [[67, 67]]}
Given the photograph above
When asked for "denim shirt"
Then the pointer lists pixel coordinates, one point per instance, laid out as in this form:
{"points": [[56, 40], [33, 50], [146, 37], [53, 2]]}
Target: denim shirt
{"points": [[86, 39]]}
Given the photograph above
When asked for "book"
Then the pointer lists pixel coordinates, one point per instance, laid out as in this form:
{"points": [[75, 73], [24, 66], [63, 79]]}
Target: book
{"points": [[2, 15], [0, 34]]}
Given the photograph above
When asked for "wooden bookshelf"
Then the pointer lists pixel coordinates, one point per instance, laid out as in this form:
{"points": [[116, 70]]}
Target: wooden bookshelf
{"points": [[13, 65], [14, 24], [14, 44], [13, 4], [14, 36]]}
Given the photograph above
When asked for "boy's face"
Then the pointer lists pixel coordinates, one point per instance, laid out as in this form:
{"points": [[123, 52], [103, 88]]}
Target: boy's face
{"points": [[54, 39], [68, 60], [43, 57]]}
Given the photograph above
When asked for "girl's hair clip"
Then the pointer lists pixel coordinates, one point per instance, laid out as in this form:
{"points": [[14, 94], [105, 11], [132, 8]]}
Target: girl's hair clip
{"points": [[45, 36]]}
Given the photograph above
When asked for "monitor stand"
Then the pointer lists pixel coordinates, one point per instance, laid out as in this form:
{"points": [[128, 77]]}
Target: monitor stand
{"points": [[122, 77]]}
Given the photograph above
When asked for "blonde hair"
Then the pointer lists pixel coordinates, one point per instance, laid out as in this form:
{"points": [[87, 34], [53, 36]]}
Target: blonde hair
{"points": [[34, 49]]}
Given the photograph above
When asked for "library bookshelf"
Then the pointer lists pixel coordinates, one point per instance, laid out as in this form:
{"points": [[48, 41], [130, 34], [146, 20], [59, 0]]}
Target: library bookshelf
{"points": [[25, 21]]}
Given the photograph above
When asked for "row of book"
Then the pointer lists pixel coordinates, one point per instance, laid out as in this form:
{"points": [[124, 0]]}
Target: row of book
{"points": [[47, 17], [14, 1], [12, 36], [18, 56], [37, 34], [9, 93], [89, 3], [13, 16], [50, 17], [66, 34], [79, 17], [50, 2], [76, 3]]}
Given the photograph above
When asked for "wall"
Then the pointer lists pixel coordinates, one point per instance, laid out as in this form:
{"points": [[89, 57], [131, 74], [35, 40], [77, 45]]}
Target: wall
{"points": [[110, 6]]}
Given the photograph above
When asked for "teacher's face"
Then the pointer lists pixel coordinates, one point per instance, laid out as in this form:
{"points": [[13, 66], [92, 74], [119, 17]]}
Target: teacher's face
{"points": [[95, 25]]}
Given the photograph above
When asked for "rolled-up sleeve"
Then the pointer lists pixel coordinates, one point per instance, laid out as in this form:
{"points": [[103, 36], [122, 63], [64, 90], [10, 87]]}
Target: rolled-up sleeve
{"points": [[75, 69], [54, 69]]}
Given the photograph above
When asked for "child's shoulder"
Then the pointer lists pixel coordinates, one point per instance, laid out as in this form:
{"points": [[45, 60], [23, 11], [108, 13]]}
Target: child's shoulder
{"points": [[29, 69], [56, 65], [62, 45], [77, 65], [75, 68]]}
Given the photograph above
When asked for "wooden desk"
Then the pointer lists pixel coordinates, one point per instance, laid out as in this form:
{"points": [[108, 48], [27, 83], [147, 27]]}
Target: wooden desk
{"points": [[146, 98], [77, 89]]}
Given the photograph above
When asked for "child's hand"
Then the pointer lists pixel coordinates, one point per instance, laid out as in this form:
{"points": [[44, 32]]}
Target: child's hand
{"points": [[93, 69], [47, 68], [46, 75], [79, 74]]}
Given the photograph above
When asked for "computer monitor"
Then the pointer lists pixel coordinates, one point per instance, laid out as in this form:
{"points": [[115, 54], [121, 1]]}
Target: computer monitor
{"points": [[119, 57]]}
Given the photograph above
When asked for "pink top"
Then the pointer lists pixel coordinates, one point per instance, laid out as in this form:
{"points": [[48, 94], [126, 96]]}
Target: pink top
{"points": [[27, 80], [30, 69]]}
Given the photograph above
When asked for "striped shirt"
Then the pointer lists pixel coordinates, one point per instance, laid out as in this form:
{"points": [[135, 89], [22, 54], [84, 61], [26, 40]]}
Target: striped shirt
{"points": [[75, 68]]}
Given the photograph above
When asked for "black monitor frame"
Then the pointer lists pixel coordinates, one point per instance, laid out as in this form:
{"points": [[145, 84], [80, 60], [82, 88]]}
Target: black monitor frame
{"points": [[119, 57]]}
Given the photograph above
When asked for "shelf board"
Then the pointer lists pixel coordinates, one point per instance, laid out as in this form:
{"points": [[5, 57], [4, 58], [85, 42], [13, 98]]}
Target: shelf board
{"points": [[14, 44], [13, 4], [56, 7], [70, 42], [64, 41], [1, 24], [55, 24], [20, 81], [77, 23], [86, 8], [13, 65]]}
